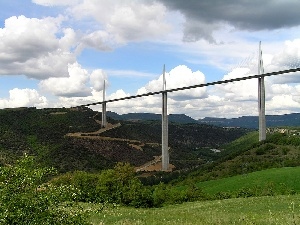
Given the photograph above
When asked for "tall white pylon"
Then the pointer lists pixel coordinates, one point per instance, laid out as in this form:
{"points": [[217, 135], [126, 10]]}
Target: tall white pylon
{"points": [[261, 98], [164, 142], [103, 122]]}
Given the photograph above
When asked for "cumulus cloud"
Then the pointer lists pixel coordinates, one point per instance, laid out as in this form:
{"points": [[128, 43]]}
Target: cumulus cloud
{"points": [[97, 79], [283, 103], [80, 83], [118, 21], [99, 39], [288, 58], [180, 76], [74, 85], [115, 22], [149, 104], [29, 46], [23, 98], [241, 90]]}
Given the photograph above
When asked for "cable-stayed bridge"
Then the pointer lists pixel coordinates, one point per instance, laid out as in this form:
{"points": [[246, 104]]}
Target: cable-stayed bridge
{"points": [[165, 152]]}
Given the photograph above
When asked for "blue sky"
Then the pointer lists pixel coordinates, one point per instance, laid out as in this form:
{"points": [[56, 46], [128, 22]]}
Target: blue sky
{"points": [[57, 53]]}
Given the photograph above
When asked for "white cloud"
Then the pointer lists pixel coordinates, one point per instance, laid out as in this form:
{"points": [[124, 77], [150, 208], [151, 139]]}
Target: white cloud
{"points": [[241, 90], [97, 79], [125, 21], [99, 39], [30, 47], [280, 104], [289, 57], [74, 85], [24, 98], [180, 76]]}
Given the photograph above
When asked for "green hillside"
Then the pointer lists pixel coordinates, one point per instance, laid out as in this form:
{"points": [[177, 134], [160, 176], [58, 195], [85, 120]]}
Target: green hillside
{"points": [[43, 133], [279, 180], [246, 155]]}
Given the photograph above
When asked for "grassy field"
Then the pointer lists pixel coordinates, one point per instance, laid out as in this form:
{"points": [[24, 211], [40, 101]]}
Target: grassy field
{"points": [[261, 210], [287, 178], [280, 209]]}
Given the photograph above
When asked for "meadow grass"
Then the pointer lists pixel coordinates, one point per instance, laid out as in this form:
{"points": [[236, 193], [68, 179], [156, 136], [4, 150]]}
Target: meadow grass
{"points": [[258, 210], [278, 178]]}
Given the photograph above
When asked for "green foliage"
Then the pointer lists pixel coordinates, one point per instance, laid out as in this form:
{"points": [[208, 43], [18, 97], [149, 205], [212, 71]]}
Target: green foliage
{"points": [[284, 139], [82, 181], [166, 194], [222, 195], [117, 186], [263, 149], [25, 199]]}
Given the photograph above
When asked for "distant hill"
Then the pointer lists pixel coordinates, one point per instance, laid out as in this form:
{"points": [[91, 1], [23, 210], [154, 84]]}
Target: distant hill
{"points": [[177, 118], [250, 122]]}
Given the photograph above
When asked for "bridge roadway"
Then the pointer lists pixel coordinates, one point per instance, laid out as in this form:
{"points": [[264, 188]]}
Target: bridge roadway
{"points": [[197, 86]]}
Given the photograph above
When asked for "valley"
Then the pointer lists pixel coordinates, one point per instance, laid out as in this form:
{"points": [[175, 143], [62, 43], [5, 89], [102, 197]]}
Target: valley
{"points": [[120, 164]]}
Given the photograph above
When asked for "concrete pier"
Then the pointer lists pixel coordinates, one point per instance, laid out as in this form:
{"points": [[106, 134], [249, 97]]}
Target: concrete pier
{"points": [[103, 122], [261, 99], [164, 142]]}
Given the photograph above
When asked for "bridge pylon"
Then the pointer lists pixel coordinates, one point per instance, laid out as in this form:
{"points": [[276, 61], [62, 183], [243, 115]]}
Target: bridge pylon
{"points": [[103, 121], [261, 98], [164, 145]]}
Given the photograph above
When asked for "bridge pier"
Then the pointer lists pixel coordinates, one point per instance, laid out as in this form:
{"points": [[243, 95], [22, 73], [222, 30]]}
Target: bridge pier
{"points": [[164, 144], [261, 99], [103, 121]]}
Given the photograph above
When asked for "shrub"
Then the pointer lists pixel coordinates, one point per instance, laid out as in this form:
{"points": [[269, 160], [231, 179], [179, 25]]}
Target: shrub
{"points": [[25, 200], [245, 193], [159, 195], [119, 185], [222, 195], [263, 149]]}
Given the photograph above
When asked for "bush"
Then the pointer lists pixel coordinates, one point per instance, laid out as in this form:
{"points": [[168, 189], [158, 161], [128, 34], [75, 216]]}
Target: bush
{"points": [[25, 200], [222, 195], [159, 195], [245, 193], [119, 185], [263, 149]]}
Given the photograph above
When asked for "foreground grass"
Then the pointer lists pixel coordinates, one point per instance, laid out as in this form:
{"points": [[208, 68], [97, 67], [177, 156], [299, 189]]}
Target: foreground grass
{"points": [[260, 210]]}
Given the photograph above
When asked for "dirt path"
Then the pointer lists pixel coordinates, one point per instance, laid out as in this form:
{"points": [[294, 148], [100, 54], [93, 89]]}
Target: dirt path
{"points": [[95, 135]]}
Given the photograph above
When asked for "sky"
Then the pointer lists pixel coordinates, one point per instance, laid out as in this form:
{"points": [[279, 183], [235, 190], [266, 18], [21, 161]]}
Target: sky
{"points": [[56, 53]]}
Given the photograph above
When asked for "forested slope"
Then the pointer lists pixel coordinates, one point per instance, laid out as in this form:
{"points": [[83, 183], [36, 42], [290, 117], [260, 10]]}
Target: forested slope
{"points": [[42, 132]]}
